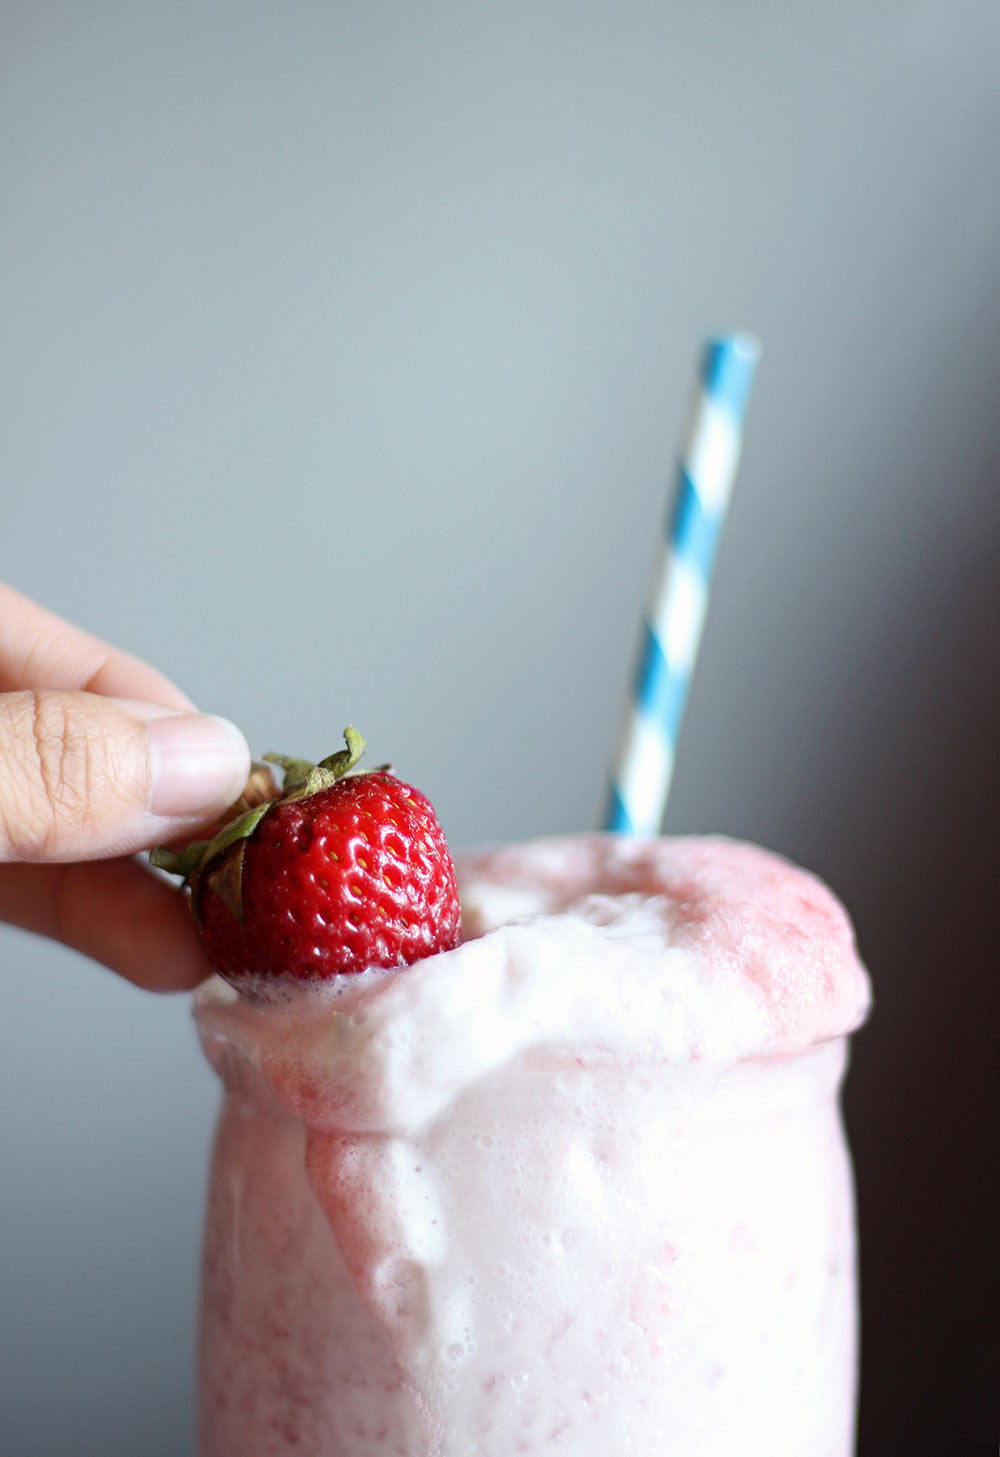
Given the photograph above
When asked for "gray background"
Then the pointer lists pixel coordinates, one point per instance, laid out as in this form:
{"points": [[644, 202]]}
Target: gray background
{"points": [[342, 355]]}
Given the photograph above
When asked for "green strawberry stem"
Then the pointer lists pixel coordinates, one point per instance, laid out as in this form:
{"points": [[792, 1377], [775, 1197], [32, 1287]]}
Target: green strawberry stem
{"points": [[345, 759], [303, 778]]}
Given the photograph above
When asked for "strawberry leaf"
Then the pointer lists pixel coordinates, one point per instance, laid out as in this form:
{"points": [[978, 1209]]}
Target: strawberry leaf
{"points": [[303, 778], [261, 788], [226, 880], [184, 862], [238, 829]]}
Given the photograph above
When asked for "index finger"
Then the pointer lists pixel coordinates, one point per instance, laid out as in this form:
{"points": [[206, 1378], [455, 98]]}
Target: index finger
{"points": [[40, 650], [114, 911]]}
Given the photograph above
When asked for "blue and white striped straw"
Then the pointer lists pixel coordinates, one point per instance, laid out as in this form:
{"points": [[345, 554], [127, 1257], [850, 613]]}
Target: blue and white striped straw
{"points": [[675, 606]]}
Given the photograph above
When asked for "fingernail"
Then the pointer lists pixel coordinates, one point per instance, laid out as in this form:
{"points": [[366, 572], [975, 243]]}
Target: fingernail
{"points": [[197, 763]]}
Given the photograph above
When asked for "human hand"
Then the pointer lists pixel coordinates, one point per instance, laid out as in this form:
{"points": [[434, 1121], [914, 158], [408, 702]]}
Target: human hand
{"points": [[100, 757]]}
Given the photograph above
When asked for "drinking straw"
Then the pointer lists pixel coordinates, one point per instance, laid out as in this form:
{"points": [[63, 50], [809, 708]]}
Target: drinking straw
{"points": [[674, 612]]}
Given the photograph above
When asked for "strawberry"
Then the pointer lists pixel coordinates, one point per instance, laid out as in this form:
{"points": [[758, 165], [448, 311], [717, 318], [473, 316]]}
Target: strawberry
{"points": [[339, 872]]}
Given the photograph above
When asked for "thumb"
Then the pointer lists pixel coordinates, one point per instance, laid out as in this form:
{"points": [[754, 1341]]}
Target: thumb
{"points": [[83, 777]]}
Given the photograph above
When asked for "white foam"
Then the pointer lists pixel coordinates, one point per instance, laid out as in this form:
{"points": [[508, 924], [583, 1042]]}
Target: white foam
{"points": [[576, 1186]]}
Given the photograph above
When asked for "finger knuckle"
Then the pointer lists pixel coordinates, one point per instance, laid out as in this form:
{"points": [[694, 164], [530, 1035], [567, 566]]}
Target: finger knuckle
{"points": [[46, 769]]}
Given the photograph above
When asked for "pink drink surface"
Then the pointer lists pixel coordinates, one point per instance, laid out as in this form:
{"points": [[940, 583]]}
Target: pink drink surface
{"points": [[578, 1186]]}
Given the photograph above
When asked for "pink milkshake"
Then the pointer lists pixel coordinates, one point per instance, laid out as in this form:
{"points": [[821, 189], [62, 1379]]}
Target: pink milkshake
{"points": [[579, 1186]]}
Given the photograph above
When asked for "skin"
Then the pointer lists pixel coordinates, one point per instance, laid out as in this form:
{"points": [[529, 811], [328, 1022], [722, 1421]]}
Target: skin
{"points": [[75, 795]]}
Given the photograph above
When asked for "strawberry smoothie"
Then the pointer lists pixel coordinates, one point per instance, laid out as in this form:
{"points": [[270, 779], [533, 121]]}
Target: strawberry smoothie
{"points": [[577, 1186]]}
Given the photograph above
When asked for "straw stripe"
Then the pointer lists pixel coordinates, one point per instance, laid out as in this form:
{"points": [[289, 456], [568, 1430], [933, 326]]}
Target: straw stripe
{"points": [[650, 764], [677, 609], [712, 452], [661, 686], [692, 531], [678, 595], [727, 371]]}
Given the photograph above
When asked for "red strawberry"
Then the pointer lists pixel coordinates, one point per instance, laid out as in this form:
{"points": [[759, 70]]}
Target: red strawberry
{"points": [[339, 872]]}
